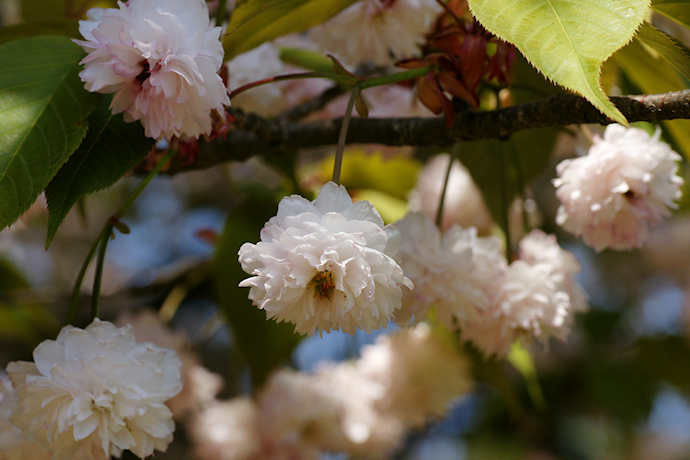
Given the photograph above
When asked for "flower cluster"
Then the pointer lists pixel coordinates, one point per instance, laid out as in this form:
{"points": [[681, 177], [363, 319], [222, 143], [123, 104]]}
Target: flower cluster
{"points": [[325, 264], [200, 385], [473, 288], [96, 392], [361, 408], [161, 59], [627, 181], [378, 31]]}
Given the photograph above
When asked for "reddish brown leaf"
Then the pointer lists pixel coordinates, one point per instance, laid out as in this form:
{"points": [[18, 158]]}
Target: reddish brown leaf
{"points": [[430, 94], [450, 83], [472, 60]]}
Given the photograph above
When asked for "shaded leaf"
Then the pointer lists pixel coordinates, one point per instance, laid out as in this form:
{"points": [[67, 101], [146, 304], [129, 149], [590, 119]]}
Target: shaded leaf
{"points": [[658, 359], [361, 106], [264, 344], [673, 52], [111, 148], [42, 10], [10, 278], [678, 10], [43, 111], [257, 21], [652, 74], [567, 41], [501, 168], [26, 323], [57, 26]]}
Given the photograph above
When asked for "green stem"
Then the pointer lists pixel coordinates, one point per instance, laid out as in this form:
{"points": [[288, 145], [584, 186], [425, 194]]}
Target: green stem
{"points": [[220, 13], [337, 166], [505, 194], [96, 293], [442, 201], [395, 77], [105, 234], [340, 78], [80, 279]]}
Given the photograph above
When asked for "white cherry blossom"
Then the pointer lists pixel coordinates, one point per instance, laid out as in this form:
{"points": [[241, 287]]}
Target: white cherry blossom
{"points": [[326, 264], [626, 182], [98, 391], [160, 58]]}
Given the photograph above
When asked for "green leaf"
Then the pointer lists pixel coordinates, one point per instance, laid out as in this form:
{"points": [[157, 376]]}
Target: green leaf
{"points": [[42, 10], [678, 10], [568, 41], [111, 148], [395, 176], [501, 169], [43, 111], [264, 344], [652, 74], [669, 49], [257, 21], [307, 59], [57, 26]]}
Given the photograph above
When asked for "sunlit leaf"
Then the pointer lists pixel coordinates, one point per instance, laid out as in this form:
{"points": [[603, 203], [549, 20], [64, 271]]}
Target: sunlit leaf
{"points": [[257, 21], [678, 10], [371, 170], [43, 111], [669, 49], [110, 149], [652, 74], [391, 208], [567, 40]]}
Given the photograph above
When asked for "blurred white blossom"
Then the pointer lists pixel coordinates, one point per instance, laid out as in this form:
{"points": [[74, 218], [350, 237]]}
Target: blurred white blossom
{"points": [[444, 271], [626, 182], [97, 390], [160, 58], [420, 373], [254, 65], [378, 31], [536, 297], [326, 264], [227, 431], [463, 205]]}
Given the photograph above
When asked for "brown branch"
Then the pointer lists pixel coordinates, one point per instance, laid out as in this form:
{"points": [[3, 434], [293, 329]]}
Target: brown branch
{"points": [[253, 135]]}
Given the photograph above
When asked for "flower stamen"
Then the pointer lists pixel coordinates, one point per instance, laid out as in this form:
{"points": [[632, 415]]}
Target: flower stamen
{"points": [[323, 284]]}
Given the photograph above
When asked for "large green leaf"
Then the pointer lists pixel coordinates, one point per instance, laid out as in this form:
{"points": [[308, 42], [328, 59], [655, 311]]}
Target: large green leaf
{"points": [[43, 111], [653, 74], [264, 344], [669, 49], [110, 149], [257, 21], [678, 10], [568, 41]]}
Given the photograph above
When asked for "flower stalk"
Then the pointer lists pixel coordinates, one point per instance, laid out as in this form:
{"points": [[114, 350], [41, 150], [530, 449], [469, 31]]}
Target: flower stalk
{"points": [[102, 242]]}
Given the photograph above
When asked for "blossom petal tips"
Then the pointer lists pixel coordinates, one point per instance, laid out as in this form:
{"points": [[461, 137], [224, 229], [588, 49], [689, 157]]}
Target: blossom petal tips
{"points": [[161, 59], [626, 182], [326, 265], [97, 391]]}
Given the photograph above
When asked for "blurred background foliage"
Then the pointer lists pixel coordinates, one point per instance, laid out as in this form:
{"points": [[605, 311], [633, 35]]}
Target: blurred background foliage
{"points": [[618, 389]]}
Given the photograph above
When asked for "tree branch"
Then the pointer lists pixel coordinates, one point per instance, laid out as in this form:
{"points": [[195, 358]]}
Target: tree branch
{"points": [[253, 135]]}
